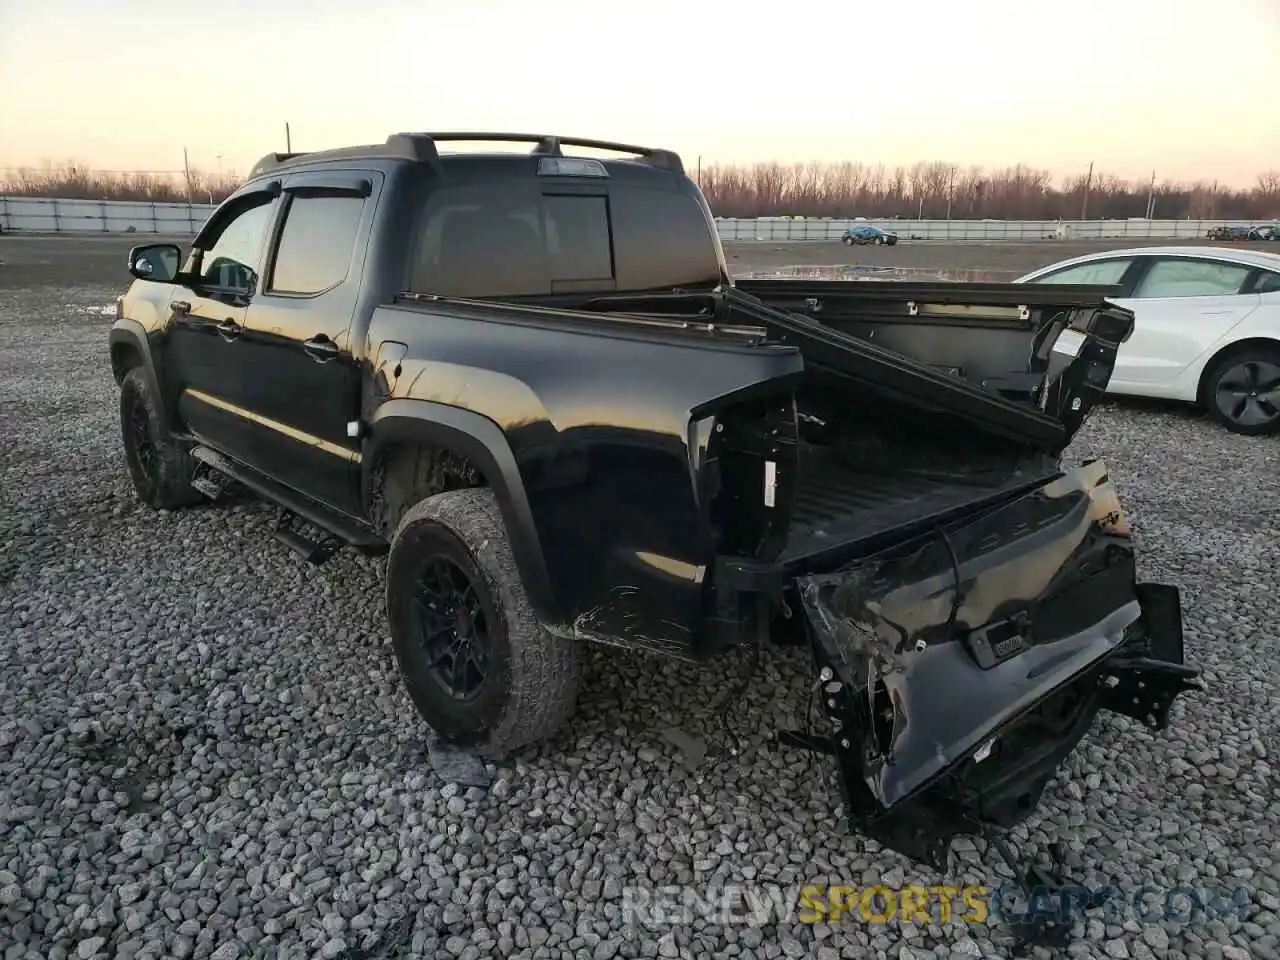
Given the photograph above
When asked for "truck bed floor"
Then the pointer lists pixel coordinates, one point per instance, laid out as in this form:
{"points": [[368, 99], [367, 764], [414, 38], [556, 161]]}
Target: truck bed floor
{"points": [[837, 503]]}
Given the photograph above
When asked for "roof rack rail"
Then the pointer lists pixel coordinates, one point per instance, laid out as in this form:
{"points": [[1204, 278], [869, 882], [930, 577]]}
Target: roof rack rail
{"points": [[550, 145], [398, 146], [422, 147]]}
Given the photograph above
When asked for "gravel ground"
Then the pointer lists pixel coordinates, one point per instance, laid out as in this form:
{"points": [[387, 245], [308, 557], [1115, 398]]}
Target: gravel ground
{"points": [[205, 750]]}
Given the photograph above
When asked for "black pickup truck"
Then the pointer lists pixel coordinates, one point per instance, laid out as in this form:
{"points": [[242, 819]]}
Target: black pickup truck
{"points": [[527, 374]]}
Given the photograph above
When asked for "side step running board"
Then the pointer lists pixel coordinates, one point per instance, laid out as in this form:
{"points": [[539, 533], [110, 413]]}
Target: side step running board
{"points": [[315, 552], [209, 481], [345, 530]]}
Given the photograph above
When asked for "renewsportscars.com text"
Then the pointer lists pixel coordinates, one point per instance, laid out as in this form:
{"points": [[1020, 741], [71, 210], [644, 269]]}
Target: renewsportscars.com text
{"points": [[762, 904]]}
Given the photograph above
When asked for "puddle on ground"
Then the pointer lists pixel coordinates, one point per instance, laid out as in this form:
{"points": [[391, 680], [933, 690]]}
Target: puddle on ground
{"points": [[867, 272]]}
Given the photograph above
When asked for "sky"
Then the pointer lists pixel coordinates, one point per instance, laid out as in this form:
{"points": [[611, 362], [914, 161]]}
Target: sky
{"points": [[1188, 89]]}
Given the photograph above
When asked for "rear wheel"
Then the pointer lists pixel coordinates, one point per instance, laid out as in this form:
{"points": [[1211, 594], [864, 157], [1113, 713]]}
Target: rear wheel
{"points": [[1242, 391], [160, 465], [480, 668]]}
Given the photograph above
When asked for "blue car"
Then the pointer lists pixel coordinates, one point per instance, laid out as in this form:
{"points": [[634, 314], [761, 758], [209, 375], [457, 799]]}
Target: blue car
{"points": [[865, 233]]}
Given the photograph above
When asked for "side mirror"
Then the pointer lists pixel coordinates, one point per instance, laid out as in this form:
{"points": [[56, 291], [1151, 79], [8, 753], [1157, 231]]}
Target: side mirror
{"points": [[158, 262]]}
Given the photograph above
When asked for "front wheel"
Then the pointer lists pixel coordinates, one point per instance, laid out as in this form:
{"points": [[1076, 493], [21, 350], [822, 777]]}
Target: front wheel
{"points": [[160, 465], [479, 667], [848, 241], [1242, 391]]}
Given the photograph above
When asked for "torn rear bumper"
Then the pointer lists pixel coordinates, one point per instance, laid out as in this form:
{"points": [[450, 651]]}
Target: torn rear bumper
{"points": [[959, 673]]}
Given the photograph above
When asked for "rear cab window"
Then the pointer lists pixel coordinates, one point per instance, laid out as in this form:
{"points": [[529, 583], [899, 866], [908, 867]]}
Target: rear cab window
{"points": [[537, 236], [579, 239]]}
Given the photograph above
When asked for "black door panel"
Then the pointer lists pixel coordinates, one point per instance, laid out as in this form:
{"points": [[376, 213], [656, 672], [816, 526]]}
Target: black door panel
{"points": [[301, 369], [208, 309]]}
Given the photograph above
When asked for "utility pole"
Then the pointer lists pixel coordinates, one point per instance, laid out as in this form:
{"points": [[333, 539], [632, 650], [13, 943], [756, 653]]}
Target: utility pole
{"points": [[186, 169], [1151, 196], [951, 186], [288, 141], [1084, 206], [699, 171]]}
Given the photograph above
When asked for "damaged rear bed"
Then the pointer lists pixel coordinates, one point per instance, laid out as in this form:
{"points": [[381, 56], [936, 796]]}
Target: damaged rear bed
{"points": [[964, 665], [970, 605]]}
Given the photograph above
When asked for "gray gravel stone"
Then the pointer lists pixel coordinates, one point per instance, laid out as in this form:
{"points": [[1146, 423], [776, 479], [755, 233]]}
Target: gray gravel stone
{"points": [[205, 742]]}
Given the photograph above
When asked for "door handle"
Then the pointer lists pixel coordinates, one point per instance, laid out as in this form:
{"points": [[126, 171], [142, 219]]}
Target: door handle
{"points": [[180, 307], [320, 348], [229, 329]]}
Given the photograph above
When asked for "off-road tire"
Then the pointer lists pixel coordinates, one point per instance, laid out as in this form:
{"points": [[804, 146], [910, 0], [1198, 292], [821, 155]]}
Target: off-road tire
{"points": [[1264, 358], [531, 683], [162, 476]]}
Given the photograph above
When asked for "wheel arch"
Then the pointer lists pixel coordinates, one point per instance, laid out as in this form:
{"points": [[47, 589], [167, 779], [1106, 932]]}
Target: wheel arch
{"points": [[130, 348], [469, 441], [1227, 352]]}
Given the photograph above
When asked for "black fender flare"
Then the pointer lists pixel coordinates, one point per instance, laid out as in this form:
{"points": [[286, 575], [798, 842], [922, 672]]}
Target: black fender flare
{"points": [[131, 335], [482, 442]]}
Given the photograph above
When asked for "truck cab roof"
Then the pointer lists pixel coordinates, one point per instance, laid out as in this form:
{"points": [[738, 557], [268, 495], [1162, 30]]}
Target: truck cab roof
{"points": [[425, 148], [502, 215]]}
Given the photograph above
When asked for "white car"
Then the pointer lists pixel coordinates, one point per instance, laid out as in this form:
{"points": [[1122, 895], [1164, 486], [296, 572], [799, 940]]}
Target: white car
{"points": [[1206, 326]]}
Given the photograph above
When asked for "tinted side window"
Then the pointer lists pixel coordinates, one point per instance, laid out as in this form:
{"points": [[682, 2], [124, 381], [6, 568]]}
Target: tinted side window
{"points": [[482, 241], [578, 241], [1103, 273], [1191, 278], [232, 252], [1267, 282], [316, 243], [661, 240]]}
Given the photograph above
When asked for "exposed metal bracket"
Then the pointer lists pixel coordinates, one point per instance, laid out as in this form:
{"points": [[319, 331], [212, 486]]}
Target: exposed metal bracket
{"points": [[966, 311], [1051, 931], [1146, 689]]}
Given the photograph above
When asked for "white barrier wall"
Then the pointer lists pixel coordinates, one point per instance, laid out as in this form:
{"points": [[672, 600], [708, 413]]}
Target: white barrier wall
{"points": [[769, 228], [49, 215]]}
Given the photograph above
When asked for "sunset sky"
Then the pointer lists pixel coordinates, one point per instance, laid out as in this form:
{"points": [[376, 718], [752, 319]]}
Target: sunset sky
{"points": [[1188, 88]]}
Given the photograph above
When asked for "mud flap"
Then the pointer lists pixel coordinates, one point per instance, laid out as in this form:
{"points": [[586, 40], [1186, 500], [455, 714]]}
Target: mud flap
{"points": [[959, 671]]}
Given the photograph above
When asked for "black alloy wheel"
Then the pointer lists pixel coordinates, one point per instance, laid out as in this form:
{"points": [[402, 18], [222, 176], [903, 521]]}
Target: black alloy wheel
{"points": [[479, 665], [1245, 394], [160, 465], [454, 625], [140, 440]]}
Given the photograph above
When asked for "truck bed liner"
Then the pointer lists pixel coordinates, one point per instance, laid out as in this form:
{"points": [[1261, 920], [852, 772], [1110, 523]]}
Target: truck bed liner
{"points": [[838, 504]]}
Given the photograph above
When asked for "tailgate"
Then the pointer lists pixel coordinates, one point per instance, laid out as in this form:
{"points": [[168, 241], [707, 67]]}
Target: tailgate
{"points": [[962, 667], [992, 343]]}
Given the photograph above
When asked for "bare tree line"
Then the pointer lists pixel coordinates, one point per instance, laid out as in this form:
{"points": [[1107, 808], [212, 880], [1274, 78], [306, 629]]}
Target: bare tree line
{"points": [[940, 190], [933, 190], [74, 182]]}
